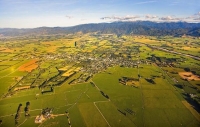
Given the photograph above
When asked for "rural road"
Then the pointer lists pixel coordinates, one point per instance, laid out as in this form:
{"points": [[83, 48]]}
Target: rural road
{"points": [[174, 52], [170, 51], [101, 112]]}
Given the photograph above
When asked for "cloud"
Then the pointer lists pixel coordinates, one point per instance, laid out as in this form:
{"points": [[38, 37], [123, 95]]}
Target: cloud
{"points": [[170, 18], [118, 18], [145, 2], [150, 16], [197, 14], [195, 17], [69, 17], [83, 19], [166, 18]]}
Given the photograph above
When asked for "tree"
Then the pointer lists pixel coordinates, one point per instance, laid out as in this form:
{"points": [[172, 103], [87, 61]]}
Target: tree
{"points": [[19, 108], [27, 109], [17, 116], [187, 69]]}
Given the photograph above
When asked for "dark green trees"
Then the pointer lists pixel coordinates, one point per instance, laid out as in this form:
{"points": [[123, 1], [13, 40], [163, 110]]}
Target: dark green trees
{"points": [[27, 109]]}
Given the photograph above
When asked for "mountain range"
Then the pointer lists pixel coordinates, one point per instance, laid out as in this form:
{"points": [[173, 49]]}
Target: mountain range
{"points": [[119, 28]]}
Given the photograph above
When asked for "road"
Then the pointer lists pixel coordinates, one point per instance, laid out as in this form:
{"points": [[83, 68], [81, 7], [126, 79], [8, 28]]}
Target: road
{"points": [[170, 51], [100, 111], [174, 52]]}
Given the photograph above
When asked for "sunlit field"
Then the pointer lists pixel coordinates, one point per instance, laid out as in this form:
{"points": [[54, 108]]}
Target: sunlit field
{"points": [[99, 80]]}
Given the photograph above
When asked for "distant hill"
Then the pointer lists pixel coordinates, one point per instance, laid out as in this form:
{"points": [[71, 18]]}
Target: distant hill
{"points": [[137, 27]]}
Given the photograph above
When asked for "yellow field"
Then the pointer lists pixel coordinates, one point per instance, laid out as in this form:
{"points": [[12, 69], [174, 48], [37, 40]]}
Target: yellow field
{"points": [[146, 40], [64, 68], [67, 74], [5, 50], [102, 42], [71, 71], [47, 43], [77, 69], [191, 49]]}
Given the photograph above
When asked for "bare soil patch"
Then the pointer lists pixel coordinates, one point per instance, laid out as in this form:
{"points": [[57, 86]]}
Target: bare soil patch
{"points": [[189, 76], [29, 66], [39, 119]]}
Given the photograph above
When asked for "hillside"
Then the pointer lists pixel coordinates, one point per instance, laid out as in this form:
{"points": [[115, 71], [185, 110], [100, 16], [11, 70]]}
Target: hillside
{"points": [[138, 27]]}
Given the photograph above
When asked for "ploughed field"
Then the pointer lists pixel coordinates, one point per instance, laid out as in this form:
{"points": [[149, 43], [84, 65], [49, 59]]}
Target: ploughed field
{"points": [[99, 80]]}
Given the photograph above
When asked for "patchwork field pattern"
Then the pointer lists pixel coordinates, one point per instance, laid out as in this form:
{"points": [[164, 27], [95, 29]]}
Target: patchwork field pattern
{"points": [[99, 80]]}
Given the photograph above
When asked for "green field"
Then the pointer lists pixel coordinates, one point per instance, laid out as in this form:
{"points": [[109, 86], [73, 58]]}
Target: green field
{"points": [[94, 93]]}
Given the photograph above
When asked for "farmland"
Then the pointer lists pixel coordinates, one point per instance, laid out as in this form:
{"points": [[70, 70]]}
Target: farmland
{"points": [[99, 80]]}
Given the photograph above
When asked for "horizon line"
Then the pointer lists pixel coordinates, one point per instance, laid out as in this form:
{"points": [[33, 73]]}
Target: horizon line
{"points": [[97, 23]]}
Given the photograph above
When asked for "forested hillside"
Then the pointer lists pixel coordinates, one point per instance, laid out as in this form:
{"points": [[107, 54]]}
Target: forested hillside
{"points": [[138, 27]]}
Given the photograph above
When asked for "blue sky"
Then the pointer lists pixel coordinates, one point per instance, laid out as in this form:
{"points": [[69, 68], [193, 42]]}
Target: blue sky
{"points": [[52, 13]]}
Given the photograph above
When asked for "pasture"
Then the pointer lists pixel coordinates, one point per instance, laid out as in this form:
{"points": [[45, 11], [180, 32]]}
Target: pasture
{"points": [[81, 82]]}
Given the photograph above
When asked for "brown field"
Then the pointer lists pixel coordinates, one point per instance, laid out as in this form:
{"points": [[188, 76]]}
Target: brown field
{"points": [[29, 66], [189, 76]]}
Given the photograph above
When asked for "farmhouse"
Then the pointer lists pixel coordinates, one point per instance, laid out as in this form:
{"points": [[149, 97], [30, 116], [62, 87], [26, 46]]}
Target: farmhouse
{"points": [[46, 113]]}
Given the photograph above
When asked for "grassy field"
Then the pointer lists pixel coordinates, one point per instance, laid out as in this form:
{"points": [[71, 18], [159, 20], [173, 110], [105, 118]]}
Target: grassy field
{"points": [[57, 74], [126, 105]]}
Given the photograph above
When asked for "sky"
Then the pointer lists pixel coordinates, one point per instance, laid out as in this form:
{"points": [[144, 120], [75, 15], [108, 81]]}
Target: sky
{"points": [[63, 13]]}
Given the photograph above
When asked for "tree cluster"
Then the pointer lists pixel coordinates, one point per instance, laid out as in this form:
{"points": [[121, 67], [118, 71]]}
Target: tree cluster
{"points": [[17, 116]]}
